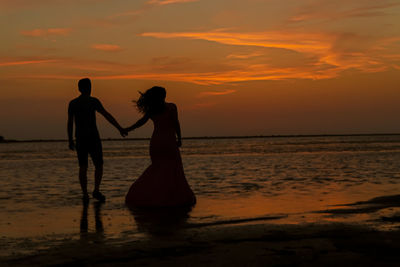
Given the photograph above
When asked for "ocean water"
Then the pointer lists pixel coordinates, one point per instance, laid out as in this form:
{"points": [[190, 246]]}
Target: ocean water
{"points": [[276, 179]]}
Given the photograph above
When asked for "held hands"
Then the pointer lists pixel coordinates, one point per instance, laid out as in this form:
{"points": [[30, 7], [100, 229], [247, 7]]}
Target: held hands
{"points": [[123, 132]]}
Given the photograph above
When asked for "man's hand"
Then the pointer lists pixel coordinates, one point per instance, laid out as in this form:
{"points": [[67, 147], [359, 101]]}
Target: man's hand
{"points": [[179, 143], [72, 145]]}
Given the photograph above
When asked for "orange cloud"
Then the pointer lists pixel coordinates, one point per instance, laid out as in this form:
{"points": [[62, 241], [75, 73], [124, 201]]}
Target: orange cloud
{"points": [[107, 47], [328, 10], [29, 4], [26, 62], [317, 56], [258, 72], [243, 56], [302, 42], [199, 78], [255, 72], [334, 52], [226, 92], [249, 73], [47, 32], [167, 2], [150, 4], [68, 65]]}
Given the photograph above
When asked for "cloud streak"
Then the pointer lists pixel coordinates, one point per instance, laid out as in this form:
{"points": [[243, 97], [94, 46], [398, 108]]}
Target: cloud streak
{"points": [[253, 58], [201, 78], [149, 5], [334, 52], [106, 47], [301, 42], [47, 32], [215, 93], [26, 62], [168, 2], [116, 71], [243, 56], [328, 10], [25, 4]]}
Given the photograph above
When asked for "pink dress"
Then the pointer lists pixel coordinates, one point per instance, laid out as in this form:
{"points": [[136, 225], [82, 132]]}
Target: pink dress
{"points": [[163, 183]]}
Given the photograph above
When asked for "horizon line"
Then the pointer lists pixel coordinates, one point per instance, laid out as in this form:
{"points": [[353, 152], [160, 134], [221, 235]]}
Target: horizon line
{"points": [[206, 137]]}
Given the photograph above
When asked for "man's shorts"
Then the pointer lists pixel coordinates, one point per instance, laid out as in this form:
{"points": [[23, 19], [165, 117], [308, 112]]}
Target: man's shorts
{"points": [[92, 147]]}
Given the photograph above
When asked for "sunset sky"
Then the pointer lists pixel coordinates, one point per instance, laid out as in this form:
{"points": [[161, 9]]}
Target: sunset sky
{"points": [[233, 67]]}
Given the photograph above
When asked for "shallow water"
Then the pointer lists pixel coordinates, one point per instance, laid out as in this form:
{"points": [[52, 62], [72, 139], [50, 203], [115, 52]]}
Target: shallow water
{"points": [[279, 180]]}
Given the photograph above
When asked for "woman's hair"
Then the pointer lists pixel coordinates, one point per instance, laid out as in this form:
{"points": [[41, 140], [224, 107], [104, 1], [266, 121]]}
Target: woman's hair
{"points": [[152, 101]]}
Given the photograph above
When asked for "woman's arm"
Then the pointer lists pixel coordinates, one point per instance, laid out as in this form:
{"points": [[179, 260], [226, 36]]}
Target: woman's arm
{"points": [[178, 133], [177, 126], [70, 127], [139, 123]]}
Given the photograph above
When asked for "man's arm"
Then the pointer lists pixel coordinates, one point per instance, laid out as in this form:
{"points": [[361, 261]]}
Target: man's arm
{"points": [[70, 127], [111, 119]]}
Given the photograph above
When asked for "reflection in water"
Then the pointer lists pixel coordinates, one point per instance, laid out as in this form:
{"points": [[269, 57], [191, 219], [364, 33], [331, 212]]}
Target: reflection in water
{"points": [[84, 217], [160, 221], [98, 235], [97, 216]]}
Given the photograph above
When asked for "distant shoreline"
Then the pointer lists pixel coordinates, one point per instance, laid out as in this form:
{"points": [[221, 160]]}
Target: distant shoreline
{"points": [[207, 137]]}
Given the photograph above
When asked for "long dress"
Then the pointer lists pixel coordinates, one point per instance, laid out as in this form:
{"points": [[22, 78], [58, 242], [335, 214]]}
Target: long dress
{"points": [[163, 183]]}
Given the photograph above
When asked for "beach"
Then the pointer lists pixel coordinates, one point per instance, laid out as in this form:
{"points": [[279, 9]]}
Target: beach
{"points": [[261, 244], [278, 201]]}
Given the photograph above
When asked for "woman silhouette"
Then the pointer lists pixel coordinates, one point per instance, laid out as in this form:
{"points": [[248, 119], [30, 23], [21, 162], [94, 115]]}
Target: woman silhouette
{"points": [[163, 183]]}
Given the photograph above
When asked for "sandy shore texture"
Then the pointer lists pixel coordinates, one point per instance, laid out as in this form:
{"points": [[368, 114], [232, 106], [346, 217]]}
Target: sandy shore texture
{"points": [[257, 243]]}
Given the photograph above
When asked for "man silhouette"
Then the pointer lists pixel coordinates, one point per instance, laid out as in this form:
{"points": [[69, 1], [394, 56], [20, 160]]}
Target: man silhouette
{"points": [[82, 110]]}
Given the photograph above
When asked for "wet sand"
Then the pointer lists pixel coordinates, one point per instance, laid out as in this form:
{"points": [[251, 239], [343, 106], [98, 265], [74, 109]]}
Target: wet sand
{"points": [[250, 245], [262, 242]]}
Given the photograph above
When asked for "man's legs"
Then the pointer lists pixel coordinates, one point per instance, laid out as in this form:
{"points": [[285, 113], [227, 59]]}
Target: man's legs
{"points": [[83, 179], [97, 157], [98, 175], [83, 166]]}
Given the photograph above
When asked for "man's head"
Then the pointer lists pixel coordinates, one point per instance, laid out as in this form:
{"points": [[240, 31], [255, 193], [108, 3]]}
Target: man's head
{"points": [[85, 86]]}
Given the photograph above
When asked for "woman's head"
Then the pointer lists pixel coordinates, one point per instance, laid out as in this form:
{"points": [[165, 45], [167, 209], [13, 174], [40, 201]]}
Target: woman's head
{"points": [[152, 101]]}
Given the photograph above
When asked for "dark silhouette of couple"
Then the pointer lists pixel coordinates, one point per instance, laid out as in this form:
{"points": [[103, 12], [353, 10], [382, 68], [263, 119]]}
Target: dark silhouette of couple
{"points": [[163, 183]]}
